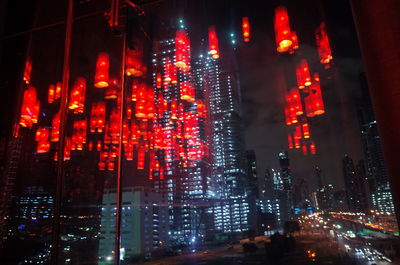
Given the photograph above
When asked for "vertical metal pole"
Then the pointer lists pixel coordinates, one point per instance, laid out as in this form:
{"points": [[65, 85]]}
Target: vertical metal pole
{"points": [[63, 116], [120, 153]]}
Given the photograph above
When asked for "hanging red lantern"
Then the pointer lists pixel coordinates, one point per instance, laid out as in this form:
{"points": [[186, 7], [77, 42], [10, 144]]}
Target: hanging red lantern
{"points": [[182, 50], [213, 42], [112, 91], [303, 74], [42, 139], [318, 102], [77, 95], [30, 108], [102, 67], [134, 59], [79, 135], [140, 108], [58, 91], [246, 29], [97, 117], [304, 148], [306, 131], [323, 46], [27, 71], [140, 158], [55, 131], [290, 141], [313, 149], [158, 80], [51, 93], [283, 33]]}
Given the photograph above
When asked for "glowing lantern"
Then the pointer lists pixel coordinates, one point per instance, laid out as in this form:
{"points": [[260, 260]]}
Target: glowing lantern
{"points": [[111, 92], [174, 109], [140, 111], [51, 93], [134, 59], [290, 141], [283, 33], [287, 116], [58, 90], [295, 41], [246, 29], [55, 131], [30, 108], [213, 42], [296, 101], [42, 138], [135, 86], [296, 142], [304, 148], [79, 135], [291, 108], [97, 117], [324, 48], [101, 76], [150, 103], [182, 50], [306, 131], [303, 74], [27, 71], [77, 95], [313, 149], [140, 159], [187, 91], [129, 148], [158, 80], [318, 101], [167, 70], [201, 109]]}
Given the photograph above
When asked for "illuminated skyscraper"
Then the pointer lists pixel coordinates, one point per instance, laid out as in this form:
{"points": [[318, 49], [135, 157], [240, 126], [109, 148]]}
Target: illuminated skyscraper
{"points": [[180, 118], [287, 201], [227, 182], [376, 172]]}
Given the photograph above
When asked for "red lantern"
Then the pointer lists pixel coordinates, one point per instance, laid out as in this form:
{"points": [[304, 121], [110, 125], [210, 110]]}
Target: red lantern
{"points": [[134, 58], [283, 33], [306, 131], [324, 48], [304, 148], [79, 135], [97, 117], [140, 108], [317, 99], [51, 93], [313, 149], [213, 42], [182, 50], [101, 76], [77, 96], [30, 108], [42, 138], [55, 131], [58, 90], [140, 159], [27, 71], [111, 92], [303, 74], [290, 141], [246, 29], [158, 80]]}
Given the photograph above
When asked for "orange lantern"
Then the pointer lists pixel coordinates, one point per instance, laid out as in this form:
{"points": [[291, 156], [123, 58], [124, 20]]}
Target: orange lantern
{"points": [[30, 108], [77, 95], [323, 46], [303, 74]]}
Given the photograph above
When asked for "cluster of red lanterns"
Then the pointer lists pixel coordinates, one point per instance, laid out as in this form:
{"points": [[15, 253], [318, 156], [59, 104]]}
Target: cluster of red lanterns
{"points": [[98, 117], [305, 100], [213, 42]]}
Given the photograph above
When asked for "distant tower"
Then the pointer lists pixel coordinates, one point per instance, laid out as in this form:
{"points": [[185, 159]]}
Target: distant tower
{"points": [[354, 185], [287, 203]]}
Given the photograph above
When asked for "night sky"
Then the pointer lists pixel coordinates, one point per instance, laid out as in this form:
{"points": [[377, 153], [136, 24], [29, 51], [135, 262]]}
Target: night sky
{"points": [[265, 75]]}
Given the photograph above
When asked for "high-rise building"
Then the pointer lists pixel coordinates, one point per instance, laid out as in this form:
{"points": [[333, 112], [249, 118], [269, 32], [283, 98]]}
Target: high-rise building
{"points": [[287, 202], [252, 190], [325, 199], [180, 105], [227, 182], [145, 226], [354, 185], [272, 194], [375, 168]]}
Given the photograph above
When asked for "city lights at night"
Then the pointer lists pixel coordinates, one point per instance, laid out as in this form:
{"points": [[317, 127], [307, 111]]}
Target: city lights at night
{"points": [[199, 132]]}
